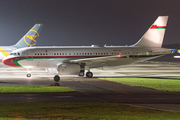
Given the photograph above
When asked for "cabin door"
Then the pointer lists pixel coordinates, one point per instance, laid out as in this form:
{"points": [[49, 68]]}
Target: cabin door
{"points": [[135, 53], [29, 55]]}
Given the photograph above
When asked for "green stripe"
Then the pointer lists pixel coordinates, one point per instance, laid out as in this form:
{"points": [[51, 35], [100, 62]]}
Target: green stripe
{"points": [[160, 28], [16, 62]]}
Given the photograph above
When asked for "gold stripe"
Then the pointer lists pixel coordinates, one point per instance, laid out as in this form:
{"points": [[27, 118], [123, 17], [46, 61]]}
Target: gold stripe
{"points": [[4, 52], [35, 32]]}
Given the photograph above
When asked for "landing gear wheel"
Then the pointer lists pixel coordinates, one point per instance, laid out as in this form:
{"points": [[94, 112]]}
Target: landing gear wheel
{"points": [[81, 74], [28, 75], [56, 79], [89, 74]]}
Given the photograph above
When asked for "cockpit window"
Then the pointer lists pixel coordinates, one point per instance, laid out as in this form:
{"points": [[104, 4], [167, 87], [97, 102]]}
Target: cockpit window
{"points": [[15, 54]]}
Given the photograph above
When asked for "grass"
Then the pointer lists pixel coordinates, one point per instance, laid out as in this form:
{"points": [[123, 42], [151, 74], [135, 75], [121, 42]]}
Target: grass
{"points": [[33, 89], [166, 84], [75, 111]]}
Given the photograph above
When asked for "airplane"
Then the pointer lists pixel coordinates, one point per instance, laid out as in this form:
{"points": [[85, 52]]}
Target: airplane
{"points": [[27, 40], [76, 59]]}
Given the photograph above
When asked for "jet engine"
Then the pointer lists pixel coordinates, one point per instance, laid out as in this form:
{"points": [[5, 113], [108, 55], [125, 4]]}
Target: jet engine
{"points": [[69, 69]]}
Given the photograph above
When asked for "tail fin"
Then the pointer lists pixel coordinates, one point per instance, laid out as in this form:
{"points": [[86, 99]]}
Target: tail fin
{"points": [[155, 34], [29, 38]]}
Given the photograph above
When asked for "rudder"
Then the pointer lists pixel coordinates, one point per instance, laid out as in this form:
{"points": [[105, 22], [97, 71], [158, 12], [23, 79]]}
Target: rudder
{"points": [[155, 34], [30, 38]]}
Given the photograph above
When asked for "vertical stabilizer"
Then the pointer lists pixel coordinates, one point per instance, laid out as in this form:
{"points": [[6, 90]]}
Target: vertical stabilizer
{"points": [[30, 38], [155, 34]]}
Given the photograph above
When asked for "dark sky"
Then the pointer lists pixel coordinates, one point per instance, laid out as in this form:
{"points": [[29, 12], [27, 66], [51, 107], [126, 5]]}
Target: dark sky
{"points": [[87, 22]]}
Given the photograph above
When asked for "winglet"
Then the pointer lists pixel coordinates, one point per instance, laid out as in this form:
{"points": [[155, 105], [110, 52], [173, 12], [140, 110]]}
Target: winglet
{"points": [[155, 34], [30, 38]]}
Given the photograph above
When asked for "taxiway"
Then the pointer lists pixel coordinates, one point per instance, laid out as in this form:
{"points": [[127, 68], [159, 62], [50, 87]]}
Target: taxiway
{"points": [[96, 90]]}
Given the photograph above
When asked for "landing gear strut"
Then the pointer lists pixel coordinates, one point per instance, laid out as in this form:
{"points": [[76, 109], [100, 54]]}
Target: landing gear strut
{"points": [[82, 69], [56, 79]]}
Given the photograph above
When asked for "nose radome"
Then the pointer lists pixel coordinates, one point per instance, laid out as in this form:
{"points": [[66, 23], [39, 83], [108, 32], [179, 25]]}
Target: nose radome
{"points": [[9, 62]]}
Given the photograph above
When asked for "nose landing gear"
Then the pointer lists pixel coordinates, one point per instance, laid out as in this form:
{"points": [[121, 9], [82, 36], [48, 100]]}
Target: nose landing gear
{"points": [[28, 75]]}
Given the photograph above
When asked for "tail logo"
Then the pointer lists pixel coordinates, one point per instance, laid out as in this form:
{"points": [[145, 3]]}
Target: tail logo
{"points": [[29, 39], [157, 27]]}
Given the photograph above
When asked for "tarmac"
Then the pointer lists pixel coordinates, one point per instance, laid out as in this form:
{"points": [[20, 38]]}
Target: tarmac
{"points": [[96, 90]]}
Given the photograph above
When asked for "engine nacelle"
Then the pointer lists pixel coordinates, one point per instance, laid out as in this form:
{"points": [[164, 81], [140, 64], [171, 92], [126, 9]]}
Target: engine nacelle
{"points": [[69, 69]]}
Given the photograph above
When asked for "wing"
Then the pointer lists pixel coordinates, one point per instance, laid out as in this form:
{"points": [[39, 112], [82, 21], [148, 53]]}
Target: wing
{"points": [[97, 60]]}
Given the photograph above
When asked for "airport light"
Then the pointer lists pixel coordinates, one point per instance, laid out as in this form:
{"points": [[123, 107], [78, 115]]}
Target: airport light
{"points": [[176, 56]]}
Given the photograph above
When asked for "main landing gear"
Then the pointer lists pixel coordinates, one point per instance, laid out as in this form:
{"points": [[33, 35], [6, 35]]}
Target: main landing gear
{"points": [[56, 80], [89, 74]]}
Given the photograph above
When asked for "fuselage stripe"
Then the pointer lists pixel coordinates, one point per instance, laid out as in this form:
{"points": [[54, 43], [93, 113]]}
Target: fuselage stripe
{"points": [[15, 61]]}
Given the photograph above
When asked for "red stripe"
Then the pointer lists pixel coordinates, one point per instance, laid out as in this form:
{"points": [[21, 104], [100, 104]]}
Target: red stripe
{"points": [[155, 26], [10, 62]]}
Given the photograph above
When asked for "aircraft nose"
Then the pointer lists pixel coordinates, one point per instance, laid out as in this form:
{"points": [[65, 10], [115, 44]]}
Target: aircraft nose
{"points": [[9, 62]]}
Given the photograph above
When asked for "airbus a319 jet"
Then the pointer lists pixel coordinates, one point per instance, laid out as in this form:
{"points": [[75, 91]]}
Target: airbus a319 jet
{"points": [[29, 39], [77, 59]]}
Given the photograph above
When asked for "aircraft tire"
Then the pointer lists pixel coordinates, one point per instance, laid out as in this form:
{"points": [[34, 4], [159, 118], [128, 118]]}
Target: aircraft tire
{"points": [[81, 74], [56, 78], [28, 75], [89, 74]]}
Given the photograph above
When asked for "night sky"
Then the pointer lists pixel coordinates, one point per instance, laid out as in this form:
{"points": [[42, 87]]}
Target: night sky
{"points": [[87, 22]]}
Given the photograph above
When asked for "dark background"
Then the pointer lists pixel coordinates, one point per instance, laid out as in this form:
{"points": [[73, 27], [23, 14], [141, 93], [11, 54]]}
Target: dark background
{"points": [[87, 22]]}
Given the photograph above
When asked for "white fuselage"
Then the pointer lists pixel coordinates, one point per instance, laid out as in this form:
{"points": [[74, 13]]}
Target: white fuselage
{"points": [[51, 57]]}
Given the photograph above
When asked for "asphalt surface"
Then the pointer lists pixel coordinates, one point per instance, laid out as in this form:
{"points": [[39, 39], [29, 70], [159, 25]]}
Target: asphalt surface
{"points": [[96, 90]]}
